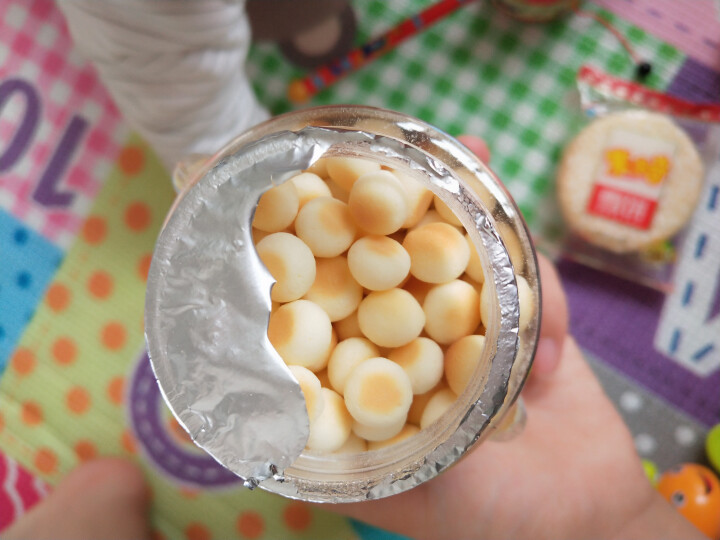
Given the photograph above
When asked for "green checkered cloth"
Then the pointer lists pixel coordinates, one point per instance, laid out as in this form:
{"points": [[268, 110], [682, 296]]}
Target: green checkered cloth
{"points": [[483, 73]]}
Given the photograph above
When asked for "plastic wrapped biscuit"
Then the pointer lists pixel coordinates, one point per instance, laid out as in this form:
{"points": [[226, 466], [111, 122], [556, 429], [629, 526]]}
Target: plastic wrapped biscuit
{"points": [[628, 180]]}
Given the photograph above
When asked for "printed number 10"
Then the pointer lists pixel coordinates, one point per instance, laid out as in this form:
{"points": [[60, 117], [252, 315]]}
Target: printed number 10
{"points": [[47, 192]]}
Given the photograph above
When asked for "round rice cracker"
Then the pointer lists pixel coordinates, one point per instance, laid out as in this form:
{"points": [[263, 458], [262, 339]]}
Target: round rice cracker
{"points": [[678, 196]]}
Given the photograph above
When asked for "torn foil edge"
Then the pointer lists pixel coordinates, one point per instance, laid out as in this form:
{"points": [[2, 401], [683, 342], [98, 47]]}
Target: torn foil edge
{"points": [[205, 396]]}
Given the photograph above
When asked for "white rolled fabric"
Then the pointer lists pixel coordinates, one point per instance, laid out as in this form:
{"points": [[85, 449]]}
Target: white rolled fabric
{"points": [[175, 68]]}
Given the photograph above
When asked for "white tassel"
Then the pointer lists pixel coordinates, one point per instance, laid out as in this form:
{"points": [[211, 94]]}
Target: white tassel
{"points": [[175, 68]]}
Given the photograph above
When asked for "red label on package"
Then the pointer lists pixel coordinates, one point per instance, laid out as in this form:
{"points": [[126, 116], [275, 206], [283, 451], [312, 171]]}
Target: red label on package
{"points": [[622, 206], [629, 178]]}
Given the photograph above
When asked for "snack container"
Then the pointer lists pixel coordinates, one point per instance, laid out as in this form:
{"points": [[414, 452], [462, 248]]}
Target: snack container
{"points": [[208, 306]]}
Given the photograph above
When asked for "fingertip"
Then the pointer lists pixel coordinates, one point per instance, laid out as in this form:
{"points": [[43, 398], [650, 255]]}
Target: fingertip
{"points": [[477, 146], [547, 358], [554, 319]]}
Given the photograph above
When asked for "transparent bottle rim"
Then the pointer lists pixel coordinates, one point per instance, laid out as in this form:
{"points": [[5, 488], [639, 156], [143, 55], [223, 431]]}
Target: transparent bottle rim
{"points": [[307, 472]]}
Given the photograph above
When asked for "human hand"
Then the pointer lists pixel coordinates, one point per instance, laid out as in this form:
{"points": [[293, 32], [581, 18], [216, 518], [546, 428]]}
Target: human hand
{"points": [[104, 498], [572, 473]]}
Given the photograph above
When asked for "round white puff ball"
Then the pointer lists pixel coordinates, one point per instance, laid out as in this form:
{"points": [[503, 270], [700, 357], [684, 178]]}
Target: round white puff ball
{"points": [[526, 299], [319, 168], [420, 401], [438, 252], [431, 216], [334, 288], [353, 445], [391, 318], [325, 225], [290, 262], [513, 246], [436, 406], [461, 360], [310, 386], [331, 429], [378, 394], [452, 310], [348, 327], [347, 355], [377, 203], [417, 288], [487, 297], [406, 432], [417, 197], [323, 376], [447, 214], [376, 434], [277, 208], [344, 171], [474, 267], [337, 192], [302, 334], [378, 263], [422, 360], [309, 186]]}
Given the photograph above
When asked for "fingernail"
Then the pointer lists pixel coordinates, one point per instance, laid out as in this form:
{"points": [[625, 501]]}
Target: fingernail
{"points": [[547, 357]]}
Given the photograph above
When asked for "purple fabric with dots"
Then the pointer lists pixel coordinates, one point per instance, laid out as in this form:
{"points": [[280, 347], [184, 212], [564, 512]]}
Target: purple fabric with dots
{"points": [[616, 320]]}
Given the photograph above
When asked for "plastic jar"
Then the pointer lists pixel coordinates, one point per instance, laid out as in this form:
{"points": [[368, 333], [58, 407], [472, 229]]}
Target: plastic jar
{"points": [[198, 342]]}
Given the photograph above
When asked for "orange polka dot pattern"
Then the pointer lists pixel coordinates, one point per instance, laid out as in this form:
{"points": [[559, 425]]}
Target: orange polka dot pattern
{"points": [[197, 531], [62, 398], [64, 350], [58, 297], [251, 525], [100, 284], [86, 450]]}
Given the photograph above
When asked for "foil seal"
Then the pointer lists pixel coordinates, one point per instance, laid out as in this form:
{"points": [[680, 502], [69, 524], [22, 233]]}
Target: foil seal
{"points": [[208, 306]]}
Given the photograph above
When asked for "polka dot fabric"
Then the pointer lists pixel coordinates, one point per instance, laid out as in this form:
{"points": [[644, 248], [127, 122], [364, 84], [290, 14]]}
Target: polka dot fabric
{"points": [[63, 396], [28, 264], [65, 379]]}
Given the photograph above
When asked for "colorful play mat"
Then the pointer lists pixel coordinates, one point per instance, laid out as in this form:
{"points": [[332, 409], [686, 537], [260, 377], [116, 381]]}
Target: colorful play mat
{"points": [[82, 199]]}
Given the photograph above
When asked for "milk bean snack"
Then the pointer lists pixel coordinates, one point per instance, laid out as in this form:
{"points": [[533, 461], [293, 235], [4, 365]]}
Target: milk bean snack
{"points": [[338, 314], [367, 284]]}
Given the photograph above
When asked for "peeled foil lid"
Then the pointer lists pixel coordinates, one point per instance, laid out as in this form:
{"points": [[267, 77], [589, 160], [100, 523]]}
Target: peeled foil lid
{"points": [[208, 306]]}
